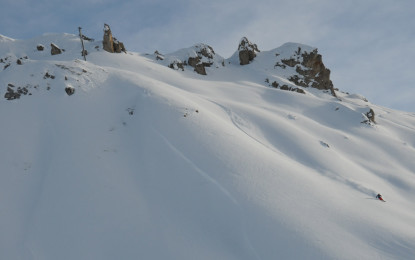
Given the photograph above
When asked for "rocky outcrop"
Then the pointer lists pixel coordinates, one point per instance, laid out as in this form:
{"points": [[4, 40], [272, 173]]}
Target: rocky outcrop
{"points": [[310, 69], [370, 117], [203, 58], [247, 51], [110, 43], [316, 71], [199, 57], [55, 50], [40, 47]]}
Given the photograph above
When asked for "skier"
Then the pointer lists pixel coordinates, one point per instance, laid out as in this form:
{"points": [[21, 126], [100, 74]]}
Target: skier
{"points": [[379, 197]]}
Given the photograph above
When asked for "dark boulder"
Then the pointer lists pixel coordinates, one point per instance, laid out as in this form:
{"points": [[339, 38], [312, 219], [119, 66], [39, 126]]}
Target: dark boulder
{"points": [[371, 116], [55, 50], [70, 91]]}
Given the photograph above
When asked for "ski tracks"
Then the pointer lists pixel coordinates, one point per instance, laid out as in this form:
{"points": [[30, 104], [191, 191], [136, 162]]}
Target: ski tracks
{"points": [[197, 169], [239, 122]]}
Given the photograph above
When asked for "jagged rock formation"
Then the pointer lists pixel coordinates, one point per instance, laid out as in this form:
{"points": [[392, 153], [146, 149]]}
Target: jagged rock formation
{"points": [[110, 43], [55, 50], [199, 57], [204, 52], [247, 51], [310, 70]]}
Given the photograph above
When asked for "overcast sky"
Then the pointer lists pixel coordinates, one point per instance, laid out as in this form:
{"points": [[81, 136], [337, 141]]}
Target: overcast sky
{"points": [[369, 45]]}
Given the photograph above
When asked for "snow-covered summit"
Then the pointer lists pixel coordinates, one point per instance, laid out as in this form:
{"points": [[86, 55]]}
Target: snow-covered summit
{"points": [[292, 66], [122, 157]]}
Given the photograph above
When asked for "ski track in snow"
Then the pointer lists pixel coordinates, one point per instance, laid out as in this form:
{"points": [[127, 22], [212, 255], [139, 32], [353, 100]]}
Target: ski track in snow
{"points": [[236, 120], [197, 169]]}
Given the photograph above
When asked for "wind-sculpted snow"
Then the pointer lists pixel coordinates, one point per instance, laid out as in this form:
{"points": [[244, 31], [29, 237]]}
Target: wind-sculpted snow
{"points": [[146, 162]]}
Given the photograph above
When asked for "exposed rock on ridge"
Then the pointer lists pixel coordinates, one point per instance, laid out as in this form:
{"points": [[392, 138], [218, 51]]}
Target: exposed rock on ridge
{"points": [[110, 43], [292, 66], [309, 68], [199, 57], [247, 51]]}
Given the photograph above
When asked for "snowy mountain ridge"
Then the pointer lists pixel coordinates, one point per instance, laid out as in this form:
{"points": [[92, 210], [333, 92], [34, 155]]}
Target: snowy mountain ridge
{"points": [[129, 155]]}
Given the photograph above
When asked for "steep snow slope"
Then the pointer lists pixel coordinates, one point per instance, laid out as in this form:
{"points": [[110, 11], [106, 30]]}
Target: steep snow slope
{"points": [[143, 161]]}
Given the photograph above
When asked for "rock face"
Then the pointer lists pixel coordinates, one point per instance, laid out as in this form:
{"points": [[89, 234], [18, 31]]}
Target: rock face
{"points": [[310, 69], [292, 66], [55, 50], [110, 43], [316, 72], [247, 51]]}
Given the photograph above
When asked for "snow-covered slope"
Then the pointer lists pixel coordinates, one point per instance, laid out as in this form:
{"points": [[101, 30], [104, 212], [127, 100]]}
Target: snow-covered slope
{"points": [[145, 162]]}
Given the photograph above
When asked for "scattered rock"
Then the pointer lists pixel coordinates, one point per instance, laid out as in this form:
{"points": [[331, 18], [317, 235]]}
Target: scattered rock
{"points": [[87, 38], [130, 111], [47, 76], [70, 91], [12, 94], [371, 116], [40, 47], [176, 65], [55, 50], [324, 144], [19, 62], [158, 55], [286, 87]]}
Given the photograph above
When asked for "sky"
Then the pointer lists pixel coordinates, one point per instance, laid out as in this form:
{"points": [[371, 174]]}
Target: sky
{"points": [[369, 46]]}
